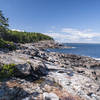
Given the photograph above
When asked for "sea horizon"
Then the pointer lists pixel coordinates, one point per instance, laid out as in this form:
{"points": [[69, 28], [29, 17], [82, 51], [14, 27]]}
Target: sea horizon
{"points": [[82, 49]]}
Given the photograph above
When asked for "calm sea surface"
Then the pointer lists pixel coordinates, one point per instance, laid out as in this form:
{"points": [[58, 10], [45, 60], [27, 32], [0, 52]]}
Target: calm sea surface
{"points": [[91, 50]]}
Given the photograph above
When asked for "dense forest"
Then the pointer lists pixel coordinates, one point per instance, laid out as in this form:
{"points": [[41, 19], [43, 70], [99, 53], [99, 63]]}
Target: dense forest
{"points": [[24, 37], [9, 37]]}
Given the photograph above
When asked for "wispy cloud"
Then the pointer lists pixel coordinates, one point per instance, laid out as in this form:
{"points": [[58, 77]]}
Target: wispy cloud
{"points": [[80, 33], [76, 35], [17, 30], [53, 27]]}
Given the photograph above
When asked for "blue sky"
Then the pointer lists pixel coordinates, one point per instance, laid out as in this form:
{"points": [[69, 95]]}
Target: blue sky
{"points": [[65, 20]]}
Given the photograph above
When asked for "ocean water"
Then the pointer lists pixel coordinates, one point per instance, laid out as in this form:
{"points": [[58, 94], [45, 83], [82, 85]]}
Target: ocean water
{"points": [[83, 49]]}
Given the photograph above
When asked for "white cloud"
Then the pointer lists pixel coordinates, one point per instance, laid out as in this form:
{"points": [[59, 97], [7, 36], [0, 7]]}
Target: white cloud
{"points": [[81, 34], [75, 35], [17, 30], [50, 31]]}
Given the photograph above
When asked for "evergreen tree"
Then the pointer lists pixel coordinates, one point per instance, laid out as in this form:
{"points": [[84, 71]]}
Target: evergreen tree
{"points": [[3, 24]]}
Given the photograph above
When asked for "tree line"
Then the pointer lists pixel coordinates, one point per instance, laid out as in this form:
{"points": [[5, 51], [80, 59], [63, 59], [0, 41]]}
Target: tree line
{"points": [[9, 36]]}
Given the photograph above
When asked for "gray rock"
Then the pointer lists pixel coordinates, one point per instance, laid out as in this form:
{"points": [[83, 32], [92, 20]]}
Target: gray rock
{"points": [[50, 96], [78, 75], [33, 68], [27, 98]]}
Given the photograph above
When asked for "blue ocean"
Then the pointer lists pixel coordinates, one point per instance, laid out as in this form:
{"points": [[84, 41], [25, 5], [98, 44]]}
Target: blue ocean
{"points": [[83, 49]]}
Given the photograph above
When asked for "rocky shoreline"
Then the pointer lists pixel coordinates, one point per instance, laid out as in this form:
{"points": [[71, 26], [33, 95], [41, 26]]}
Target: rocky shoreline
{"points": [[43, 75]]}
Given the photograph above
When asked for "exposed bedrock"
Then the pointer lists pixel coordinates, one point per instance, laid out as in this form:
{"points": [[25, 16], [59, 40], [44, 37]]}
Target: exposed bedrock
{"points": [[43, 75]]}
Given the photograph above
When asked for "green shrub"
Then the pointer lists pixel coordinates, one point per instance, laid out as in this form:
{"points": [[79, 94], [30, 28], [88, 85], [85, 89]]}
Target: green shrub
{"points": [[7, 44], [7, 71]]}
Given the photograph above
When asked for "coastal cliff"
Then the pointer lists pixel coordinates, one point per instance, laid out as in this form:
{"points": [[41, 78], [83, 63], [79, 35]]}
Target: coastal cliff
{"points": [[32, 73]]}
